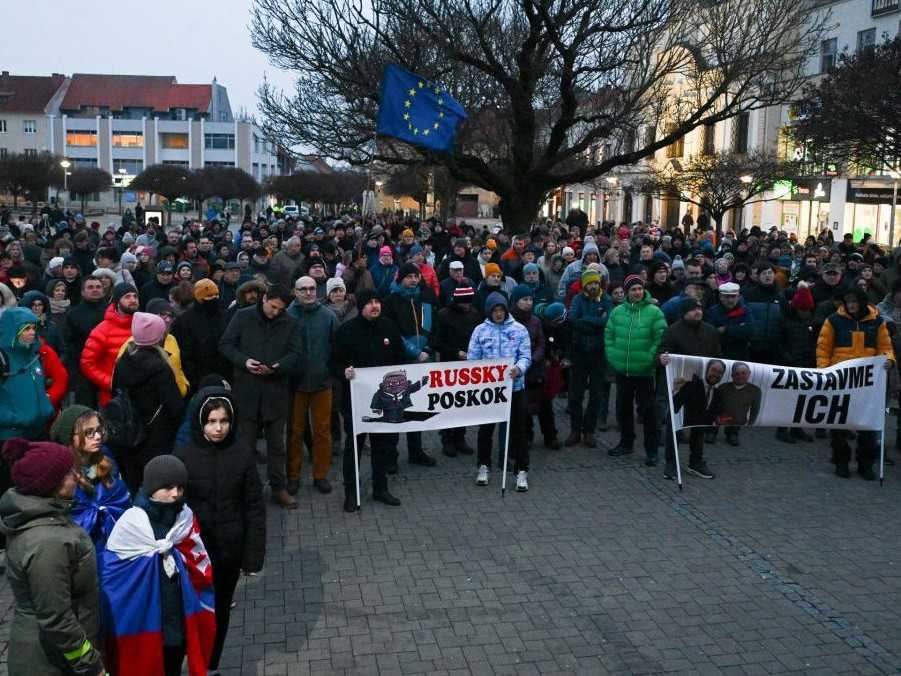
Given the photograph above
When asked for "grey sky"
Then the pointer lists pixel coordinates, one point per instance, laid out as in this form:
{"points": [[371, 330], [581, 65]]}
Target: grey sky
{"points": [[190, 39]]}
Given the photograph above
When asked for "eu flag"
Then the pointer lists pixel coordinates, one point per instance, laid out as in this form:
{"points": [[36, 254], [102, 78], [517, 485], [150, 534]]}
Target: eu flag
{"points": [[417, 111]]}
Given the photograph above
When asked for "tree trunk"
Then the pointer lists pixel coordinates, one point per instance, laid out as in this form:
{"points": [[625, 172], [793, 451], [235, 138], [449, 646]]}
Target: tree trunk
{"points": [[518, 212]]}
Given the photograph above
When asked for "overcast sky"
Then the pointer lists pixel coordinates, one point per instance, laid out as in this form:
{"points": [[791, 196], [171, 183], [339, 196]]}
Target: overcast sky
{"points": [[193, 40]]}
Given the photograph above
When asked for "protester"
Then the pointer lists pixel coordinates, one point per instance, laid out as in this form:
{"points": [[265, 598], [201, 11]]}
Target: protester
{"points": [[263, 345], [197, 331], [224, 491], [25, 406], [101, 349], [51, 566], [80, 322], [632, 337]]}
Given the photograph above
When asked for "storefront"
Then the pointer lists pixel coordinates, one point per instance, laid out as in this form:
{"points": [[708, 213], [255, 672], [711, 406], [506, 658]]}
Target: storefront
{"points": [[803, 205], [868, 209]]}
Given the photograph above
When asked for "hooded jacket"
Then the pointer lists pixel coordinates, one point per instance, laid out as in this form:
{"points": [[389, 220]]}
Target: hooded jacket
{"points": [[98, 358], [25, 407], [588, 317], [632, 337], [845, 337], [46, 328], [507, 340], [224, 491], [52, 571], [573, 271]]}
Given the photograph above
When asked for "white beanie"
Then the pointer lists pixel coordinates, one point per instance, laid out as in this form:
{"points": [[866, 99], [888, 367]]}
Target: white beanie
{"points": [[334, 283], [568, 250], [55, 262]]}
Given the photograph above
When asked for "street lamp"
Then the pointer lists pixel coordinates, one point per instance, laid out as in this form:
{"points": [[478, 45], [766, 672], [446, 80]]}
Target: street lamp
{"points": [[121, 171], [65, 164]]}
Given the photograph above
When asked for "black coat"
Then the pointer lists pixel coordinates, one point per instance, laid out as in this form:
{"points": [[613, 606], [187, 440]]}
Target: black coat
{"points": [[198, 331], [453, 329], [79, 322], [251, 335], [702, 340], [225, 493], [150, 382], [798, 340], [362, 343], [153, 289]]}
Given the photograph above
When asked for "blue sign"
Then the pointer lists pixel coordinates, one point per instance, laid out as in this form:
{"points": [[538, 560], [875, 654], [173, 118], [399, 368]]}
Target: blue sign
{"points": [[130, 197]]}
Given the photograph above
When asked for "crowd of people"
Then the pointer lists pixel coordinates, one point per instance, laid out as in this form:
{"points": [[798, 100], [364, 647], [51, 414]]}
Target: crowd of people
{"points": [[141, 365]]}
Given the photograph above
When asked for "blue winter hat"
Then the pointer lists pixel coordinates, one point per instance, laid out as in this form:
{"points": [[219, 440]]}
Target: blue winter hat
{"points": [[494, 299], [553, 312], [530, 267], [521, 291], [662, 256]]}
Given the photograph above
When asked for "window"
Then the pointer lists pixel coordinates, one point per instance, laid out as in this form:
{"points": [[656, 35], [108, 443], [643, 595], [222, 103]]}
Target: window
{"points": [[30, 126], [218, 164], [177, 163], [2, 126], [174, 141], [740, 133], [256, 143], [132, 167], [85, 139], [128, 139], [828, 54], [866, 39], [31, 152], [83, 162], [219, 141], [708, 145]]}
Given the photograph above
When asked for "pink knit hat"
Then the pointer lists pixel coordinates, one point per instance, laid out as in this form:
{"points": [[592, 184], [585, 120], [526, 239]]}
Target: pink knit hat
{"points": [[147, 329], [385, 251]]}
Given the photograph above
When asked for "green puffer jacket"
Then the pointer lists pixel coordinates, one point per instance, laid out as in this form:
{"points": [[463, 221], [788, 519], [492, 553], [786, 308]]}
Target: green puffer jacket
{"points": [[632, 336], [52, 571]]}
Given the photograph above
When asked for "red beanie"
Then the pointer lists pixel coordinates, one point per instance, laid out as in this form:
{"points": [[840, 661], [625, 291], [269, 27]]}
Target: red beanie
{"points": [[38, 468], [803, 299]]}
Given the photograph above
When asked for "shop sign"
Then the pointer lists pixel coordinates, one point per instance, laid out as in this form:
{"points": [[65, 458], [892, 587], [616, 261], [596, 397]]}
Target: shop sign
{"points": [[803, 190], [870, 195]]}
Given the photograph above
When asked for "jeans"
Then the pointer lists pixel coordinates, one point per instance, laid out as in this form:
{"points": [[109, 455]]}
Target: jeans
{"points": [[319, 404], [274, 432], [518, 449], [628, 390], [587, 373]]}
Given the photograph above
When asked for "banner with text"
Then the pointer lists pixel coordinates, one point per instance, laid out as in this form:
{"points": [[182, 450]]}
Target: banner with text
{"points": [[708, 392], [430, 396]]}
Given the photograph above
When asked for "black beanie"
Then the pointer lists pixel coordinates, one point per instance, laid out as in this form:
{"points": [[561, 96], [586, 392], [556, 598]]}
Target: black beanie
{"points": [[408, 269], [363, 297], [688, 304], [163, 471], [121, 289]]}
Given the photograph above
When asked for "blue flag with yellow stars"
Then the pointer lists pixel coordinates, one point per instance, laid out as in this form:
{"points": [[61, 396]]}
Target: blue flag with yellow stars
{"points": [[417, 111]]}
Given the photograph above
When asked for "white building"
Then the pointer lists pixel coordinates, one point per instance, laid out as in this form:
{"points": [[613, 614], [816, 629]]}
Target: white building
{"points": [[846, 204], [124, 123]]}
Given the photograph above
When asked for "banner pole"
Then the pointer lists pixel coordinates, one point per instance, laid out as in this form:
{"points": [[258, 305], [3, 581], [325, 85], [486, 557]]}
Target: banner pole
{"points": [[885, 411], [672, 425], [353, 420], [507, 437]]}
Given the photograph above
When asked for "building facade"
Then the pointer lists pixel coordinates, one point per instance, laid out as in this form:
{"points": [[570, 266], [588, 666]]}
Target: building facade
{"points": [[124, 123], [842, 203]]}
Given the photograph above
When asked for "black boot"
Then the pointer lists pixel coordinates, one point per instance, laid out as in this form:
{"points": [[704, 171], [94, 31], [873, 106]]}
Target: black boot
{"points": [[866, 472], [800, 435], [783, 435], [350, 502], [386, 498], [841, 469]]}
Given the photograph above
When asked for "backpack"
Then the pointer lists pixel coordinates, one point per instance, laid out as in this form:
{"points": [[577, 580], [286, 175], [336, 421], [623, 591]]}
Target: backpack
{"points": [[125, 428]]}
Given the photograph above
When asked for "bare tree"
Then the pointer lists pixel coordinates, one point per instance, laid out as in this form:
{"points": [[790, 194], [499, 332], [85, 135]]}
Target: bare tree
{"points": [[557, 91], [719, 183]]}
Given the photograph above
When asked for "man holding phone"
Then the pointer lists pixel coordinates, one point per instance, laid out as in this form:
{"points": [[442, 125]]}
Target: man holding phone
{"points": [[263, 345]]}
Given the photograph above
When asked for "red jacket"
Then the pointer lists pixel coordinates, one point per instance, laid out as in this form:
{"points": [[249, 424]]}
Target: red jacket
{"points": [[98, 358], [55, 374], [430, 278]]}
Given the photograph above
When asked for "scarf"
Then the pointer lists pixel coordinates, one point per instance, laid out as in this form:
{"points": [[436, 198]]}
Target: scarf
{"points": [[59, 307]]}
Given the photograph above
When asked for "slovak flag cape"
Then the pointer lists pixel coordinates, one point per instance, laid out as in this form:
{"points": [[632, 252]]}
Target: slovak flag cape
{"points": [[130, 590]]}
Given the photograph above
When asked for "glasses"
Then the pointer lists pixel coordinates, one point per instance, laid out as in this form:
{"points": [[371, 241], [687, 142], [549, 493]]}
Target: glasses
{"points": [[90, 432]]}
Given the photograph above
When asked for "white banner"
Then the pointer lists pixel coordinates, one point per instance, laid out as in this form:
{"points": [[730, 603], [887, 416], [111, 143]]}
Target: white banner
{"points": [[706, 391], [430, 396]]}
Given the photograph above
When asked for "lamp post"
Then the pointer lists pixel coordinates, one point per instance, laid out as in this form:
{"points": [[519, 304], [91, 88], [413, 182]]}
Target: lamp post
{"points": [[65, 164], [121, 172]]}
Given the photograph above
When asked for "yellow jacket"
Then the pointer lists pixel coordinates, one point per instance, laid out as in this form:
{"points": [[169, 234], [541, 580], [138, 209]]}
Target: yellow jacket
{"points": [[843, 337], [174, 352]]}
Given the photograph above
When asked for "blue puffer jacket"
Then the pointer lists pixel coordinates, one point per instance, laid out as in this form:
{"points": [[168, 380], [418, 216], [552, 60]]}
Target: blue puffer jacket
{"points": [[588, 318], [25, 407], [508, 340]]}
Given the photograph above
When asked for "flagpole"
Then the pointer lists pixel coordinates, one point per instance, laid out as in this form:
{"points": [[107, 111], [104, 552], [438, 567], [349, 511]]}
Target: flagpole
{"points": [[507, 437], [353, 420]]}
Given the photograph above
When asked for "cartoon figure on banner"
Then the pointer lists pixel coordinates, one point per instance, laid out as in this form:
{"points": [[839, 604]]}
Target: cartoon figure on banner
{"points": [[701, 399], [392, 399]]}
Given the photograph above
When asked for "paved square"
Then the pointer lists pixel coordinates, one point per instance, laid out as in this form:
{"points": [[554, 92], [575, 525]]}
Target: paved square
{"points": [[602, 567]]}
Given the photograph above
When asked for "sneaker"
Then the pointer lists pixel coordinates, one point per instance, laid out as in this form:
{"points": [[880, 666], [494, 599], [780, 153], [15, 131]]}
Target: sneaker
{"points": [[482, 478], [522, 481], [669, 472], [322, 485], [700, 469]]}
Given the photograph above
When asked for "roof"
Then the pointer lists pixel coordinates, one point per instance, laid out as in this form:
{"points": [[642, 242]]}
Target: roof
{"points": [[27, 93], [158, 92]]}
